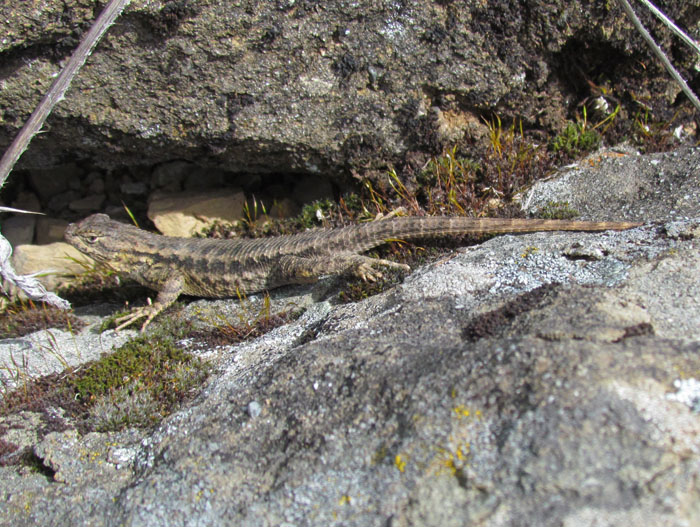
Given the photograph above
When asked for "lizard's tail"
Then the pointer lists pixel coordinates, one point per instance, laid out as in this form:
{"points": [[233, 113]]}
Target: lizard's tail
{"points": [[368, 235]]}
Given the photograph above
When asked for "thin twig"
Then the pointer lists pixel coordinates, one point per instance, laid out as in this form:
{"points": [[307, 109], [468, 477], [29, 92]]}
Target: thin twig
{"points": [[28, 283], [672, 26], [59, 87], [660, 54]]}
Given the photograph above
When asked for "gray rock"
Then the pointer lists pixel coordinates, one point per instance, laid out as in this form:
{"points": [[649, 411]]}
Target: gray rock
{"points": [[204, 178], [254, 409], [315, 88], [49, 230], [97, 185], [88, 204], [19, 230], [523, 381], [171, 173], [312, 188], [59, 202], [27, 201], [185, 213], [134, 188], [49, 182], [52, 351], [658, 187]]}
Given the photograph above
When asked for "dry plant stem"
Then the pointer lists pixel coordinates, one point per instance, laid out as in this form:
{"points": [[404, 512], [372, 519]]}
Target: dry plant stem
{"points": [[659, 53], [28, 283], [672, 26], [59, 87]]}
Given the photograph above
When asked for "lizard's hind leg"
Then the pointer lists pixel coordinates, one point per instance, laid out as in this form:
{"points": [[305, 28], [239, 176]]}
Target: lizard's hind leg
{"points": [[298, 269]]}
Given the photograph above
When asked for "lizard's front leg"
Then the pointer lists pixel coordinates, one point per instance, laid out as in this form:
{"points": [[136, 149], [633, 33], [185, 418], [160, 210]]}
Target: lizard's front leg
{"points": [[166, 296]]}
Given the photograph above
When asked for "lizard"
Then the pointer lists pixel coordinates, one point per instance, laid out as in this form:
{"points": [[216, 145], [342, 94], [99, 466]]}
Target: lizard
{"points": [[216, 268]]}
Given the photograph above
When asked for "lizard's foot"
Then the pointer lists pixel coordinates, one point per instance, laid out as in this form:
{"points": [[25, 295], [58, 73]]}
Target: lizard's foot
{"points": [[366, 271], [150, 311]]}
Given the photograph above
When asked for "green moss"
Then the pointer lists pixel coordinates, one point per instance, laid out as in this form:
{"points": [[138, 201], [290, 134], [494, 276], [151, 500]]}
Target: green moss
{"points": [[313, 214], [136, 385], [576, 139], [557, 210], [145, 358], [139, 383], [145, 401], [653, 135], [352, 204]]}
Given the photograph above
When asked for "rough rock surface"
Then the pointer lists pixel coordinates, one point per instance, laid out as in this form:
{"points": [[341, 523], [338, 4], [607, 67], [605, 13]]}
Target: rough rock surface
{"points": [[546, 379], [317, 87], [46, 352], [187, 213], [57, 263]]}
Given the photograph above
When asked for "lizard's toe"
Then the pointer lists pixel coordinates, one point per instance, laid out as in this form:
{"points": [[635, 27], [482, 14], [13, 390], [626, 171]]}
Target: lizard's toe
{"points": [[149, 312], [392, 265], [127, 320], [367, 272]]}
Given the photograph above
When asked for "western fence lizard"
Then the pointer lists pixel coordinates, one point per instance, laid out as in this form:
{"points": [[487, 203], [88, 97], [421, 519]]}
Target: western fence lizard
{"points": [[222, 268]]}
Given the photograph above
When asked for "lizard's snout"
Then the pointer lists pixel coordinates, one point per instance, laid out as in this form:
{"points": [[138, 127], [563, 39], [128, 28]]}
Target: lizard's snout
{"points": [[69, 233]]}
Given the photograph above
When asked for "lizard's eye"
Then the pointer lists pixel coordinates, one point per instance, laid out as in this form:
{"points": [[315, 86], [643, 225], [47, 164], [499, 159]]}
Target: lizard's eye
{"points": [[91, 239]]}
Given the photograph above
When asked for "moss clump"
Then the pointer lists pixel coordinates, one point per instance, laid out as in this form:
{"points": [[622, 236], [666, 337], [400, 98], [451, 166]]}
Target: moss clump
{"points": [[144, 358], [352, 204], [652, 135], [576, 139], [557, 210], [227, 333], [24, 318], [313, 214], [139, 383]]}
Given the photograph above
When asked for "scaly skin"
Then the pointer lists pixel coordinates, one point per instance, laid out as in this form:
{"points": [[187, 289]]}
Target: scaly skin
{"points": [[223, 268]]}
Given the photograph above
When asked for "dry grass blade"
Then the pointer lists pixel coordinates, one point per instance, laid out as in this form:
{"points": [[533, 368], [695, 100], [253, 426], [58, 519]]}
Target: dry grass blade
{"points": [[27, 283], [59, 87], [672, 26], [659, 53]]}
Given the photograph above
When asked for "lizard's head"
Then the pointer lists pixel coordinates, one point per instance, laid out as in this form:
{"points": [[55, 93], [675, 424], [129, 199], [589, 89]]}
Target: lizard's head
{"points": [[103, 239]]}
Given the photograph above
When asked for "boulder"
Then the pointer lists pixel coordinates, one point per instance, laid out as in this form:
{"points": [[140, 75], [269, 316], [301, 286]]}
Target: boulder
{"points": [[187, 213], [540, 379]]}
